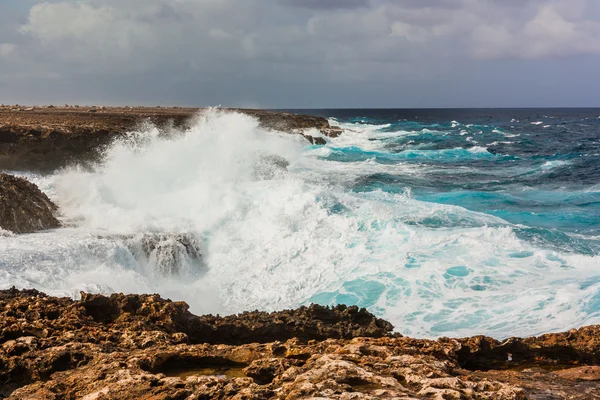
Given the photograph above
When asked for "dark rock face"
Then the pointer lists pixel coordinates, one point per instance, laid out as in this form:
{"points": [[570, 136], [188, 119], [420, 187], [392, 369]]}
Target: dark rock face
{"points": [[100, 315], [48, 138], [142, 346], [167, 253], [23, 207]]}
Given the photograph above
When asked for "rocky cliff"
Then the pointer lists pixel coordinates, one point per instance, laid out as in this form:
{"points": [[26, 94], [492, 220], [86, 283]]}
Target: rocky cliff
{"points": [[45, 138], [145, 347]]}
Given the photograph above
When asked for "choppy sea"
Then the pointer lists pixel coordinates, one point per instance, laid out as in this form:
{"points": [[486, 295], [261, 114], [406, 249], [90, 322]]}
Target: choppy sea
{"points": [[444, 222]]}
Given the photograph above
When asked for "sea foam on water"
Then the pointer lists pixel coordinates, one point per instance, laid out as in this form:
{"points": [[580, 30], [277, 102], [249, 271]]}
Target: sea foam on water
{"points": [[229, 217]]}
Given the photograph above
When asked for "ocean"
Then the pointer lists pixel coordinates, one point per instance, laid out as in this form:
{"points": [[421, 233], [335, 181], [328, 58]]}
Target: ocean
{"points": [[444, 222]]}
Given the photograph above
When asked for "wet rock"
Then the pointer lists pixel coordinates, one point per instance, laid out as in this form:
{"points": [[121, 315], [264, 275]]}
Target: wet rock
{"points": [[74, 134], [168, 254], [332, 132], [143, 346], [23, 207], [315, 140]]}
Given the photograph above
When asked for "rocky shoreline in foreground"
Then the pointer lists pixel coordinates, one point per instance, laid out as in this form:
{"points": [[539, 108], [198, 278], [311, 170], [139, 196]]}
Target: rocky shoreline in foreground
{"points": [[145, 347], [45, 138]]}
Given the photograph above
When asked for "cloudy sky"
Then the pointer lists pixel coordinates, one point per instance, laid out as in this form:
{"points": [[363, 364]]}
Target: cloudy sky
{"points": [[301, 53]]}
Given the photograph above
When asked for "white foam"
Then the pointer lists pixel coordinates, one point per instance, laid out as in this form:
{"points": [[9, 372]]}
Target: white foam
{"points": [[553, 164], [275, 240]]}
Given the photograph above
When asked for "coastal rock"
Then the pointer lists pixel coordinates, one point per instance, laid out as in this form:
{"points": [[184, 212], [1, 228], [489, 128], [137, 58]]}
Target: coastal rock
{"points": [[142, 313], [142, 346], [332, 132], [48, 138], [167, 254], [23, 207], [315, 140]]}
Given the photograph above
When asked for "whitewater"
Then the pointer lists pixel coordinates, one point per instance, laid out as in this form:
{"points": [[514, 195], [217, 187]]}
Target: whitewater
{"points": [[393, 215]]}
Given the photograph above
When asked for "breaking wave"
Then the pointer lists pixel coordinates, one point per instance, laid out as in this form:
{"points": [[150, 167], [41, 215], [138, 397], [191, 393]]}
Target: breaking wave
{"points": [[230, 217]]}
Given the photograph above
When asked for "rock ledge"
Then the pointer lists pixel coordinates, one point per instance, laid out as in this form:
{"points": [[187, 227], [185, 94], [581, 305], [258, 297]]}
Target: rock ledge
{"points": [[142, 346], [46, 138]]}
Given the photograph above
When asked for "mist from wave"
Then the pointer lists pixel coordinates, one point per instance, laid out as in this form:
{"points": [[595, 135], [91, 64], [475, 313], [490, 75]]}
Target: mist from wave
{"points": [[437, 233]]}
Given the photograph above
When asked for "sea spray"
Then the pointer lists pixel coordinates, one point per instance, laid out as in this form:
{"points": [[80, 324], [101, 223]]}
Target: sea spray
{"points": [[279, 223]]}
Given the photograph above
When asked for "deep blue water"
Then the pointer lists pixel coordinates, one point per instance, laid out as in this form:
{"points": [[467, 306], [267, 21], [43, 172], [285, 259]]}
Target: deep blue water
{"points": [[539, 168], [444, 222], [523, 241]]}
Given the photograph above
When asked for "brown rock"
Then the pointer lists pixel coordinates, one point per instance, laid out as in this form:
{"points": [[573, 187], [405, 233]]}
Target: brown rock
{"points": [[332, 132], [64, 135], [142, 346], [23, 207], [588, 373]]}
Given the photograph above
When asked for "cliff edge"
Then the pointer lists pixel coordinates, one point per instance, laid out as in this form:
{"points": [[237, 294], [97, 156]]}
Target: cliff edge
{"points": [[46, 138]]}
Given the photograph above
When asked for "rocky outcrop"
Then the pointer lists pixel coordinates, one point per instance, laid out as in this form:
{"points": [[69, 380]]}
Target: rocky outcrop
{"points": [[102, 315], [142, 346], [45, 138], [23, 207], [167, 254]]}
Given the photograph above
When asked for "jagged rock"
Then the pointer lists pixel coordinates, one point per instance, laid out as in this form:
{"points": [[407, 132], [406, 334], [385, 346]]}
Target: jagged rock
{"points": [[50, 138], [167, 254], [142, 346], [332, 132], [23, 207], [315, 140]]}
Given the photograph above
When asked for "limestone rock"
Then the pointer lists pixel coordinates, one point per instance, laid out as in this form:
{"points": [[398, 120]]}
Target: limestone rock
{"points": [[23, 207], [142, 346]]}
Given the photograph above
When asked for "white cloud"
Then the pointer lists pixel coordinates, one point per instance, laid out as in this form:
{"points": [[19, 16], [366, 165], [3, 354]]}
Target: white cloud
{"points": [[553, 31]]}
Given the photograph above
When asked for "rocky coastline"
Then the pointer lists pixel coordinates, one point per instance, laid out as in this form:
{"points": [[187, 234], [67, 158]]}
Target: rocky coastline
{"points": [[50, 137], [146, 347]]}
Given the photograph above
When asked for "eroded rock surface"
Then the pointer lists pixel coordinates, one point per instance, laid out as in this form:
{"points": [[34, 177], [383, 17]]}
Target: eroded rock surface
{"points": [[23, 207], [45, 138], [145, 347]]}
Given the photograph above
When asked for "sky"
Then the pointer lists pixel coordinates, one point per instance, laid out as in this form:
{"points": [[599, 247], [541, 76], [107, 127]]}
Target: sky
{"points": [[301, 53]]}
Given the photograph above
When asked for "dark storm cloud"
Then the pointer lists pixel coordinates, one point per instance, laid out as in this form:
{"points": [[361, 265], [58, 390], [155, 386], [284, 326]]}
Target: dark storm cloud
{"points": [[298, 53]]}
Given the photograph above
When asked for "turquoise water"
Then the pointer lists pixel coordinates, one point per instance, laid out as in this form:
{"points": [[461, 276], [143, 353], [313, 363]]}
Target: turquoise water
{"points": [[444, 222], [524, 233]]}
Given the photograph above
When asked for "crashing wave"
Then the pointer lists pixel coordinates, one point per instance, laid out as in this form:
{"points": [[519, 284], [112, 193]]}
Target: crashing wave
{"points": [[168, 254]]}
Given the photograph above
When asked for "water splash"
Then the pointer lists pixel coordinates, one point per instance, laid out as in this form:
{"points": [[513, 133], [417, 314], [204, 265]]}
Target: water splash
{"points": [[229, 217]]}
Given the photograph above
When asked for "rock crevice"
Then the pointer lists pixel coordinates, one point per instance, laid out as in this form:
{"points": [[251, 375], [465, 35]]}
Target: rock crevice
{"points": [[143, 346]]}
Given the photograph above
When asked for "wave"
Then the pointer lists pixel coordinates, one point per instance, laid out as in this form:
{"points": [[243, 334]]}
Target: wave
{"points": [[359, 154], [247, 230]]}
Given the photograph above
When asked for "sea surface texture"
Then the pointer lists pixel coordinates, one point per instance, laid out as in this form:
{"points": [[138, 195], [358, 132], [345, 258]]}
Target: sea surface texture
{"points": [[444, 222]]}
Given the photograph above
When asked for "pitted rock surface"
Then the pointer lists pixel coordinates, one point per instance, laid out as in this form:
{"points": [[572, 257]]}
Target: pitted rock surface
{"points": [[23, 207], [146, 347]]}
